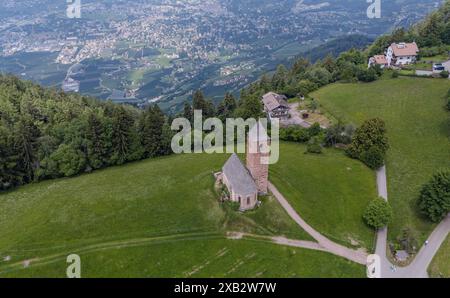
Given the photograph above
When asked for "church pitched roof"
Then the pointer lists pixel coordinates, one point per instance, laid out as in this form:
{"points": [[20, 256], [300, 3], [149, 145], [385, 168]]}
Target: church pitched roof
{"points": [[239, 177]]}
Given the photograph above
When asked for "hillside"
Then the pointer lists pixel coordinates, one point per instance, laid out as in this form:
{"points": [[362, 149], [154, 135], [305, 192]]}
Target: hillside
{"points": [[78, 175], [330, 191], [337, 46], [418, 131], [155, 218]]}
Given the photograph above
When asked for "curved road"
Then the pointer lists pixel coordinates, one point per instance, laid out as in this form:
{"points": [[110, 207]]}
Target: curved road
{"points": [[418, 268], [330, 246]]}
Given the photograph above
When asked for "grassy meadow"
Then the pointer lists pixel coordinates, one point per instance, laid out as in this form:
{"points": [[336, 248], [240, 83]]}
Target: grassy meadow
{"points": [[440, 265], [155, 218], [418, 130], [330, 191], [198, 257]]}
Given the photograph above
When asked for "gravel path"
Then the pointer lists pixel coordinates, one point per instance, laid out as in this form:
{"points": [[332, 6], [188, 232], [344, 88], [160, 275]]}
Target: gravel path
{"points": [[330, 246], [296, 118]]}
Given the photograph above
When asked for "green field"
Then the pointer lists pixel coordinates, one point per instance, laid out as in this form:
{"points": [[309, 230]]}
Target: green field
{"points": [[330, 191], [154, 218], [418, 131], [440, 265], [436, 59], [201, 258]]}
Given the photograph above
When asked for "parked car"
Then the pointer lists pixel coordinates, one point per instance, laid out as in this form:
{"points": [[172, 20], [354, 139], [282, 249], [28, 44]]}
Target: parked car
{"points": [[438, 67]]}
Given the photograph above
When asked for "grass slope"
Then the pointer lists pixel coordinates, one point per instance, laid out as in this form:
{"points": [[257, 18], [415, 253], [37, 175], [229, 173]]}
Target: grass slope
{"points": [[155, 218], [201, 258], [330, 191], [418, 133], [440, 265]]}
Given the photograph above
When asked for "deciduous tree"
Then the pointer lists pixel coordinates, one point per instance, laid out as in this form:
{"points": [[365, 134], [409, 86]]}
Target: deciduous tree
{"points": [[434, 199], [378, 214]]}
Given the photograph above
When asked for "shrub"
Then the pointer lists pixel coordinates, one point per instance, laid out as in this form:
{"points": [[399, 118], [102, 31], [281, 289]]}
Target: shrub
{"points": [[378, 214], [434, 199], [368, 75], [373, 158], [369, 143], [338, 134], [407, 241], [448, 100], [445, 74], [395, 74], [294, 134], [314, 130], [314, 146], [235, 206], [349, 72], [314, 105]]}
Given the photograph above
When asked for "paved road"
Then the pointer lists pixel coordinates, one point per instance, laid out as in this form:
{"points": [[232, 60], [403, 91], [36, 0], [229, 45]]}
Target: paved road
{"points": [[423, 259], [332, 247], [418, 268], [424, 73]]}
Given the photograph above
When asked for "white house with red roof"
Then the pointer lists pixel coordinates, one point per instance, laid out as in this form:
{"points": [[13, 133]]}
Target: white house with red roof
{"points": [[402, 53], [378, 60]]}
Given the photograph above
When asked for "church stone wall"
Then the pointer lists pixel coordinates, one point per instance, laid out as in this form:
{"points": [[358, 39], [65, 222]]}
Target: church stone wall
{"points": [[259, 171]]}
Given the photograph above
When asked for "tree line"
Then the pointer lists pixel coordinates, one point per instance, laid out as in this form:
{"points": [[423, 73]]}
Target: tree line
{"points": [[45, 133]]}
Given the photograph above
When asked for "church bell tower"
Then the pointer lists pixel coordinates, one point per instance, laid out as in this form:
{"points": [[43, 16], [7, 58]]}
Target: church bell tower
{"points": [[258, 145]]}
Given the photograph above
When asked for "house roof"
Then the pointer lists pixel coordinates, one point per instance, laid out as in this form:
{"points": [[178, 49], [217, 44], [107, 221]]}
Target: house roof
{"points": [[272, 101], [405, 49], [239, 177], [380, 59]]}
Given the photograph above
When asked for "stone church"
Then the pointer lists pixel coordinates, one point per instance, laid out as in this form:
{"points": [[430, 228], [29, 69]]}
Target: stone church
{"points": [[245, 183]]}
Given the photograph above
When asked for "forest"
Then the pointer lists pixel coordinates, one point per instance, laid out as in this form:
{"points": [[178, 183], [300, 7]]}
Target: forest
{"points": [[46, 133]]}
